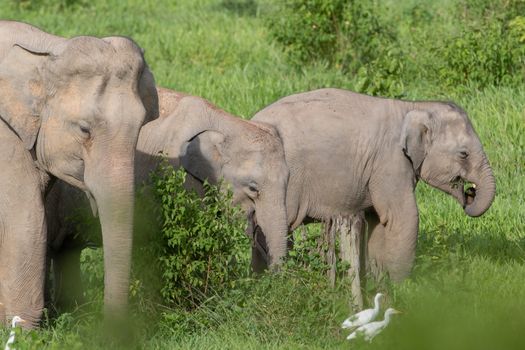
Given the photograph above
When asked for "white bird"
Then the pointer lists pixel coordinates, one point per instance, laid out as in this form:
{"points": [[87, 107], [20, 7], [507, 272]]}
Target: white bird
{"points": [[16, 320], [363, 317], [369, 331]]}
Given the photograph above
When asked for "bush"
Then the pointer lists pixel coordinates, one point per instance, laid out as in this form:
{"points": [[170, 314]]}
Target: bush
{"points": [[347, 35], [306, 251], [58, 5], [482, 46], [487, 10], [204, 246], [483, 49], [490, 54]]}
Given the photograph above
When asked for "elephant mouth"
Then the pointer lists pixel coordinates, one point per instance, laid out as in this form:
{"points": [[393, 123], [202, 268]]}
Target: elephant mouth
{"points": [[463, 190]]}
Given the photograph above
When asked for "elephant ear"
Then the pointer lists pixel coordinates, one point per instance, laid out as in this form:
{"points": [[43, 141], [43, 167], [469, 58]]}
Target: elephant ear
{"points": [[147, 87], [205, 156], [416, 136], [148, 94], [22, 92]]}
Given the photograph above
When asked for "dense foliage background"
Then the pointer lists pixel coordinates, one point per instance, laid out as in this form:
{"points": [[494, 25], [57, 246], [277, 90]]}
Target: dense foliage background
{"points": [[466, 291]]}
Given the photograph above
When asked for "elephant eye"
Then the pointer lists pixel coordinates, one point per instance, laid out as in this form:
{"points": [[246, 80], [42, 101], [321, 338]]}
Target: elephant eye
{"points": [[253, 189], [463, 154], [84, 129]]}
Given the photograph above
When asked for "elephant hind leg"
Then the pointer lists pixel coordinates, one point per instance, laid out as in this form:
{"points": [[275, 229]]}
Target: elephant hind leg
{"points": [[67, 277]]}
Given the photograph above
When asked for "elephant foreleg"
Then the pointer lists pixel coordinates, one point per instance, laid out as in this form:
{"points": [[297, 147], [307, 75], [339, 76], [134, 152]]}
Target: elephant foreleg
{"points": [[393, 231], [23, 233]]}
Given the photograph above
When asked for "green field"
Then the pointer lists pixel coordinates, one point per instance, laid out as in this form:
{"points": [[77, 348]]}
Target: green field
{"points": [[467, 290]]}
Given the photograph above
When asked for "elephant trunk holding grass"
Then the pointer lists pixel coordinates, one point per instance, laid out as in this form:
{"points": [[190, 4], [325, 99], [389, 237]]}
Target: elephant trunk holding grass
{"points": [[70, 108], [349, 152], [210, 144]]}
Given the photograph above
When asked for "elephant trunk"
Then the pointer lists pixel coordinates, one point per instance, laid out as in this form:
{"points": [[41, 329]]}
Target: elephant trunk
{"points": [[112, 185], [271, 218], [480, 199]]}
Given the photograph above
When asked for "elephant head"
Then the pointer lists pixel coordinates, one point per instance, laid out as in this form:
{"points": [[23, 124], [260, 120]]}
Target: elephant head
{"points": [[252, 162], [446, 153], [77, 105], [214, 145]]}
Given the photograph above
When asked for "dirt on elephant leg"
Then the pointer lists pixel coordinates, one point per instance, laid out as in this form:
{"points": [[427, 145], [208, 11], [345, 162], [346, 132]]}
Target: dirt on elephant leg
{"points": [[331, 228]]}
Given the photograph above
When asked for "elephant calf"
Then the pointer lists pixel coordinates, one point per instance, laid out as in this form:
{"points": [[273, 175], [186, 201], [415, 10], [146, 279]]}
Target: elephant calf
{"points": [[349, 152], [210, 144]]}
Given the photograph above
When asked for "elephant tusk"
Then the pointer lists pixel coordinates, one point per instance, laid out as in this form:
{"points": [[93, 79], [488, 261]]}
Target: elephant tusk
{"points": [[92, 203]]}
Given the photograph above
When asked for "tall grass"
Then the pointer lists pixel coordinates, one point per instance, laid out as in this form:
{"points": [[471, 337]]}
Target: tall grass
{"points": [[466, 291]]}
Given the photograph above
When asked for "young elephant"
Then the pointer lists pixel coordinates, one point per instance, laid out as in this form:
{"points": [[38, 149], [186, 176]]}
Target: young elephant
{"points": [[210, 144], [349, 152]]}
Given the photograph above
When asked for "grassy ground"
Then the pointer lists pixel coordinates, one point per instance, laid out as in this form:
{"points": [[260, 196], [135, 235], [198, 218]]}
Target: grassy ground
{"points": [[466, 291]]}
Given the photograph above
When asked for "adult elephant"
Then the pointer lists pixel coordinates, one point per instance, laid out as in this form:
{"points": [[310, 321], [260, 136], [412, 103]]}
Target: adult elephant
{"points": [[210, 144], [70, 109], [349, 152]]}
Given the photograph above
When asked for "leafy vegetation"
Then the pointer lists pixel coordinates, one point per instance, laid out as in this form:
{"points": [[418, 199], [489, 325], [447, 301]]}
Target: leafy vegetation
{"points": [[347, 35], [359, 38], [204, 243], [487, 50], [466, 291]]}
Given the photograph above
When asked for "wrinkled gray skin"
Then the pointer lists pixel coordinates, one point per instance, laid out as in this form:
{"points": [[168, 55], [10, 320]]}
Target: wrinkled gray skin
{"points": [[210, 144], [349, 152], [75, 106]]}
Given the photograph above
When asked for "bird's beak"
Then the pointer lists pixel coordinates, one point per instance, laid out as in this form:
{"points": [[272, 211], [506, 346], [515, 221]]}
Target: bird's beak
{"points": [[22, 321], [397, 311]]}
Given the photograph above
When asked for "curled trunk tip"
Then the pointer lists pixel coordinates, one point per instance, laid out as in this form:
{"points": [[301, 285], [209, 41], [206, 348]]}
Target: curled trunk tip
{"points": [[485, 193]]}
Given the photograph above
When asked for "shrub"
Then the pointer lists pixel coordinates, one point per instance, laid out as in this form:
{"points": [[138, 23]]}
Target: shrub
{"points": [[347, 35], [487, 10], [486, 48], [306, 251], [487, 55], [383, 76], [483, 45], [204, 246], [58, 5]]}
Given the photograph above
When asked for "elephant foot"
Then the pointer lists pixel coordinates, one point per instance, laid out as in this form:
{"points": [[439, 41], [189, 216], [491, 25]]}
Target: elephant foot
{"points": [[394, 270], [376, 269]]}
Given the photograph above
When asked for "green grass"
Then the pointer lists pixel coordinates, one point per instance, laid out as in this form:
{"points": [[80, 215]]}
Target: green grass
{"points": [[467, 290]]}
